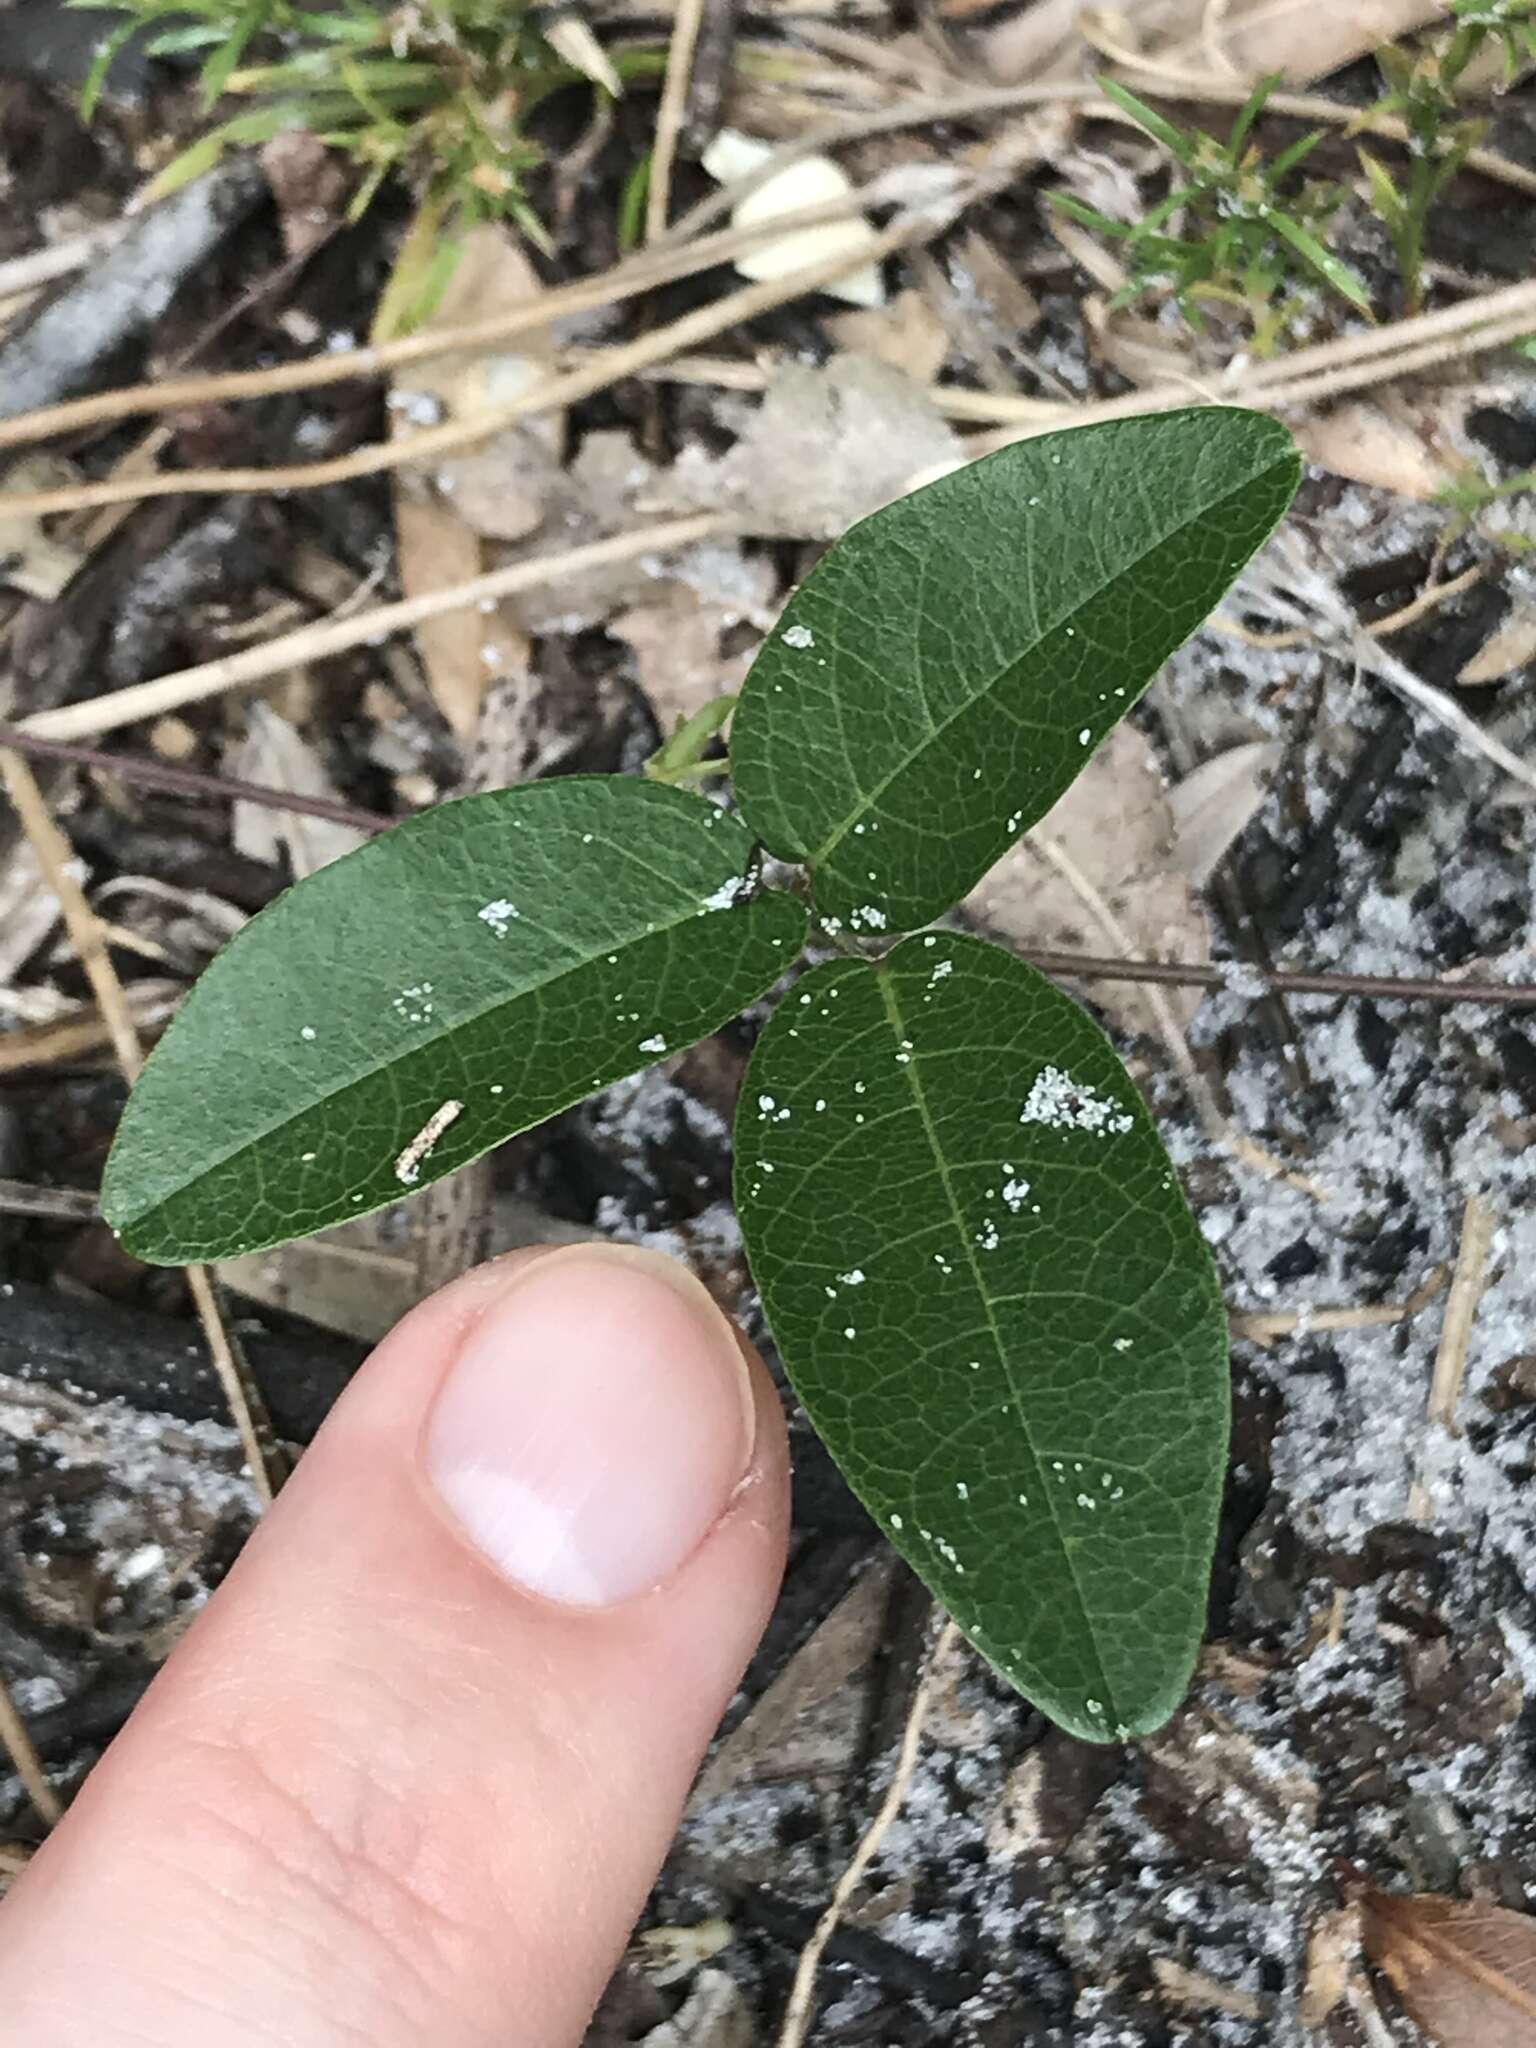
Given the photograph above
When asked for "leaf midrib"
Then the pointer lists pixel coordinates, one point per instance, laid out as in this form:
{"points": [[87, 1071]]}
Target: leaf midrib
{"points": [[885, 980], [915, 753], [381, 1065]]}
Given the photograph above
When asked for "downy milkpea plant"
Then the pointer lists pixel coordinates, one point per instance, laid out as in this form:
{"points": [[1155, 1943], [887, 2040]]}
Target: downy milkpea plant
{"points": [[971, 1247]]}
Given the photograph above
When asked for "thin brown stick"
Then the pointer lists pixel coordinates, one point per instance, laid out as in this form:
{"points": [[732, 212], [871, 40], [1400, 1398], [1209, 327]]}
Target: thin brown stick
{"points": [[1251, 388], [1467, 1283], [1262, 1326], [82, 1033], [1406, 988], [669, 114], [336, 636], [58, 259], [1080, 966], [65, 1205], [681, 258], [1219, 1127], [1477, 1225], [55, 859], [29, 1765], [685, 251], [1429, 599], [192, 781], [797, 2015], [1007, 99]]}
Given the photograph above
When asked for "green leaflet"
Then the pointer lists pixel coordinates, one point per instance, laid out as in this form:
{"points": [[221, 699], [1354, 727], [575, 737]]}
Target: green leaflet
{"points": [[945, 672], [409, 1006], [998, 1311]]}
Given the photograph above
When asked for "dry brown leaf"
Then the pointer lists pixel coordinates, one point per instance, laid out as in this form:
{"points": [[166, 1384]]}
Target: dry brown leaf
{"points": [[1512, 646], [310, 187], [277, 754], [1331, 1947], [463, 650], [1000, 293], [1194, 1991], [1359, 441], [501, 487], [907, 334], [498, 490], [361, 1278], [783, 1736], [825, 447], [1214, 804], [676, 643], [676, 632], [1116, 826], [1466, 1973], [1300, 38]]}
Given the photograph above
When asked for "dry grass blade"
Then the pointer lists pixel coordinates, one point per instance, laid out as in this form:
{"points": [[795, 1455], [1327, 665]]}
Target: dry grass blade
{"points": [[1291, 587], [29, 1765], [83, 1034], [1467, 1283], [86, 930], [57, 259], [1219, 1128], [336, 636], [797, 2014], [1477, 1226], [543, 396], [1465, 1972], [1263, 1326], [669, 114], [627, 280]]}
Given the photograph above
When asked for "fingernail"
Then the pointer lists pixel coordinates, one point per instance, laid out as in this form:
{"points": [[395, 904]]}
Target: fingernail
{"points": [[594, 1425]]}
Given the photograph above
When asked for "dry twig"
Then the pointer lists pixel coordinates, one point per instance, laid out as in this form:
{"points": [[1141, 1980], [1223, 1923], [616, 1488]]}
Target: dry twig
{"points": [[335, 636], [1429, 599], [1289, 585], [641, 273], [1477, 1225], [29, 1765], [56, 861], [797, 2014], [193, 782], [1262, 1326], [548, 394], [1219, 1128], [669, 114], [1467, 1283]]}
